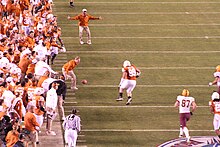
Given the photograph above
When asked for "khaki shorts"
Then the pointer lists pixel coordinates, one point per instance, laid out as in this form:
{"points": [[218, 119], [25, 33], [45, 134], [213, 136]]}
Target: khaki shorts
{"points": [[31, 137]]}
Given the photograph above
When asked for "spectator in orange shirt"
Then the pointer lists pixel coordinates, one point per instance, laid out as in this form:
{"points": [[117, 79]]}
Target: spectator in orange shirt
{"points": [[67, 70], [31, 125], [83, 24], [12, 136]]}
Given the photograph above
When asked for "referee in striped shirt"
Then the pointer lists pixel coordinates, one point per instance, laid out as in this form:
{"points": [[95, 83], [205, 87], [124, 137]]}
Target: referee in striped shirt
{"points": [[72, 127]]}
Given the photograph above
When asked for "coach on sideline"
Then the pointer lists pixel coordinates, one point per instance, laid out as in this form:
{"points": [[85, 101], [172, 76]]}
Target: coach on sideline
{"points": [[83, 24], [72, 127]]}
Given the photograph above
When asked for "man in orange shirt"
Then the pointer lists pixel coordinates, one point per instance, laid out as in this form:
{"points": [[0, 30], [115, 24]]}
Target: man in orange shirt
{"points": [[31, 125], [83, 24], [12, 136], [67, 70]]}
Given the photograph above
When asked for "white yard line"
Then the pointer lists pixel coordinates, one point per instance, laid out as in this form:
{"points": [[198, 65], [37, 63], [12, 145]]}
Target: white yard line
{"points": [[143, 86], [110, 51], [165, 37], [161, 24], [128, 106], [149, 68], [140, 130], [141, 2], [144, 13]]}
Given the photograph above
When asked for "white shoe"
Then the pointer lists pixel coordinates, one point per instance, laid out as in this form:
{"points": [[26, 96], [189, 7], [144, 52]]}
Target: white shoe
{"points": [[63, 118], [119, 99], [89, 42], [180, 136], [188, 139], [74, 88], [51, 133], [81, 42], [129, 101]]}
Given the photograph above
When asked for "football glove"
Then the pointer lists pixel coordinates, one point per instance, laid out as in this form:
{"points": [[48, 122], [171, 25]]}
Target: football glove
{"points": [[138, 74], [210, 83]]}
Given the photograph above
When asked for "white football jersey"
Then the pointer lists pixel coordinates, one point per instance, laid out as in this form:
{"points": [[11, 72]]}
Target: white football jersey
{"points": [[185, 103]]}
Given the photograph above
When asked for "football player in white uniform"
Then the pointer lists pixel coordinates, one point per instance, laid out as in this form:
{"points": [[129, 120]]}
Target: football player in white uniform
{"points": [[128, 80], [184, 102], [216, 81], [214, 105]]}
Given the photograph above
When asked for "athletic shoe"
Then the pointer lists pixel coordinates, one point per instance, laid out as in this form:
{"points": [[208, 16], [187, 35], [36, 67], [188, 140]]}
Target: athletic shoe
{"points": [[188, 139], [81, 42], [50, 133], [119, 99], [63, 118], [180, 136], [129, 101], [71, 5], [89, 42], [74, 88]]}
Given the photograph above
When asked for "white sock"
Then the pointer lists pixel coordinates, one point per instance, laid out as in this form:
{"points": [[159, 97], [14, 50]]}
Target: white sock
{"points": [[186, 132], [181, 131]]}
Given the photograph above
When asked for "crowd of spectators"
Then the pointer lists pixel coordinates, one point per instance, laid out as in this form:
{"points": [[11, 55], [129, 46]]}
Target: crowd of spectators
{"points": [[30, 40]]}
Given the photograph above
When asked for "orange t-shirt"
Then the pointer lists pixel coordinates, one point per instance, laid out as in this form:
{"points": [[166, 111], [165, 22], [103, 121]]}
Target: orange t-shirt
{"points": [[83, 20], [69, 65], [11, 138], [30, 121]]}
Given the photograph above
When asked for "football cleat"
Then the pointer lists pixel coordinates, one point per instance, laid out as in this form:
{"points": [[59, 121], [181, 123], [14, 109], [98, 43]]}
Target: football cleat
{"points": [[119, 99], [81, 42], [89, 42], [74, 88], [188, 139], [129, 101]]}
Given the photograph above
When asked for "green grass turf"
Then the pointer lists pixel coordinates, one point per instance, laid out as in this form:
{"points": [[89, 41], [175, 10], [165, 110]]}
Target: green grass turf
{"points": [[156, 56]]}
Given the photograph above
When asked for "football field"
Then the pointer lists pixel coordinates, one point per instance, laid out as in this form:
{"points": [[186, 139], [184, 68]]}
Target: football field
{"points": [[175, 44]]}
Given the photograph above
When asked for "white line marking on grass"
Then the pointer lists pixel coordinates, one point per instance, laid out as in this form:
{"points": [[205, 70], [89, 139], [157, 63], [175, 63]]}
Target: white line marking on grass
{"points": [[142, 2], [165, 37], [146, 86], [129, 106], [140, 130], [119, 25], [145, 13], [141, 52], [147, 68]]}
